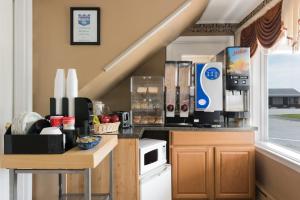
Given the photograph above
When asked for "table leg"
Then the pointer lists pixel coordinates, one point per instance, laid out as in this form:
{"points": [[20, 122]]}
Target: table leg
{"points": [[61, 185], [87, 184], [111, 178], [13, 182]]}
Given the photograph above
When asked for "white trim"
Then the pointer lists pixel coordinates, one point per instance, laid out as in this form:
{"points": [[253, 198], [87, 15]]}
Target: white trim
{"points": [[288, 158], [23, 75], [22, 56], [6, 82], [280, 154], [276, 152], [264, 95]]}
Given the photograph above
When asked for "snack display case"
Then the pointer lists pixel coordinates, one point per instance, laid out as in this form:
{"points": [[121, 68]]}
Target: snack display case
{"points": [[147, 100]]}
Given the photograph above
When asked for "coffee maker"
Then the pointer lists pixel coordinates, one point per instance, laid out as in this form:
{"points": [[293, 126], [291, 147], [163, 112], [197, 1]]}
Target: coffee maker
{"points": [[236, 91], [208, 94], [177, 88]]}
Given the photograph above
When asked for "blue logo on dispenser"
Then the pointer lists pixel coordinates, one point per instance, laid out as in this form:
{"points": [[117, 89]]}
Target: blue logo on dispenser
{"points": [[212, 73]]}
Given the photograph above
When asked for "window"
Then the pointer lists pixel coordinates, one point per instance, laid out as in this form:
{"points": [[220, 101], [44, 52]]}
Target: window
{"points": [[283, 71]]}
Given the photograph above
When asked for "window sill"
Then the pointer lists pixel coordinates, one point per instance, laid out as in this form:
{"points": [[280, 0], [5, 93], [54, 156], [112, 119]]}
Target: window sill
{"points": [[280, 154]]}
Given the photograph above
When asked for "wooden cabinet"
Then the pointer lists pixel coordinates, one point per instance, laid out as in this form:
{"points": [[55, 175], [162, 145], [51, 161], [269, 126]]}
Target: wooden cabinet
{"points": [[234, 172], [192, 172], [212, 165], [126, 173], [205, 166]]}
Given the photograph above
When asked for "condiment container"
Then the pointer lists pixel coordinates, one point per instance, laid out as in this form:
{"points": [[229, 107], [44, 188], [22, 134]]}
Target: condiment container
{"points": [[98, 108], [69, 123], [56, 121]]}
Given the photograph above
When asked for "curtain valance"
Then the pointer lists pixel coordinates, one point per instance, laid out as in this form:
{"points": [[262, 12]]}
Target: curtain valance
{"points": [[266, 30]]}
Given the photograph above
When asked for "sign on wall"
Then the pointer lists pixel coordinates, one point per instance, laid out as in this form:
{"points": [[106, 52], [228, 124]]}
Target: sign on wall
{"points": [[85, 26]]}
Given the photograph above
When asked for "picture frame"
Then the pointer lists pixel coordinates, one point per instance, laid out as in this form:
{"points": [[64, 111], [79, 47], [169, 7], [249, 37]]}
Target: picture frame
{"points": [[85, 26]]}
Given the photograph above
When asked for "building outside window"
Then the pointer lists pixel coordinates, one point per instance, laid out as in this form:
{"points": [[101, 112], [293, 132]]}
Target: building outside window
{"points": [[284, 100]]}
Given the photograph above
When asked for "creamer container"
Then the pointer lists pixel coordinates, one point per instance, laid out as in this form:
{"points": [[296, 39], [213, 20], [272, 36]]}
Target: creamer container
{"points": [[69, 123]]}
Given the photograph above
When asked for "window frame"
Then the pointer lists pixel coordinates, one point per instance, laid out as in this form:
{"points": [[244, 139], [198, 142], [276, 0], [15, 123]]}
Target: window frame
{"points": [[276, 152]]}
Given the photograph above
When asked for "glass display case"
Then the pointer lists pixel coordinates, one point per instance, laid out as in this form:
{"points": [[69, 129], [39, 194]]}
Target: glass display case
{"points": [[147, 100]]}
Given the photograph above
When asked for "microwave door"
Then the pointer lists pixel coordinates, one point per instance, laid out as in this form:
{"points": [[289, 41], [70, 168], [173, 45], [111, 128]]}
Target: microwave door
{"points": [[149, 160], [151, 157]]}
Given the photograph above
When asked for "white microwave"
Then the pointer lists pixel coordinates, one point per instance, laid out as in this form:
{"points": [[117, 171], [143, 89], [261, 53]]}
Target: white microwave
{"points": [[153, 153]]}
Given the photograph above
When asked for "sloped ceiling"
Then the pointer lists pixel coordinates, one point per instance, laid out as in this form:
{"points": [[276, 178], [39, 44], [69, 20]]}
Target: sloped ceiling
{"points": [[227, 11], [161, 35]]}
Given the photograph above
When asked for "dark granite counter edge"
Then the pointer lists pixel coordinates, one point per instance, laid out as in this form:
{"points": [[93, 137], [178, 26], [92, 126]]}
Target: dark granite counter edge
{"points": [[137, 132]]}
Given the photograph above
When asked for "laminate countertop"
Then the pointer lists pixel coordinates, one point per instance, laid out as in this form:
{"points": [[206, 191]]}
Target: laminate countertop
{"points": [[72, 159], [137, 132]]}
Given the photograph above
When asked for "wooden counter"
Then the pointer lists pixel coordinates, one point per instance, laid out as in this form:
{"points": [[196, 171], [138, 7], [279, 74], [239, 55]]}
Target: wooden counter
{"points": [[72, 159]]}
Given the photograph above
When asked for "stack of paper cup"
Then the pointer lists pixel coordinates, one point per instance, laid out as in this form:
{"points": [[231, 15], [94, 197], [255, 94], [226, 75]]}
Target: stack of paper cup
{"points": [[59, 89], [72, 90]]}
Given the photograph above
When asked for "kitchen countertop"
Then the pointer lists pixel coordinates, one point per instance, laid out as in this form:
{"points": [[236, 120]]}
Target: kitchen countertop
{"points": [[137, 132], [72, 159]]}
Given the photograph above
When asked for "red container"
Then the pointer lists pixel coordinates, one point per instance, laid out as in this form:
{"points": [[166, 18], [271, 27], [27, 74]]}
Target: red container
{"points": [[69, 123], [56, 121]]}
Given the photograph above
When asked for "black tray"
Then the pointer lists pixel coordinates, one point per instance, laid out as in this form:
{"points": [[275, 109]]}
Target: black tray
{"points": [[33, 144]]}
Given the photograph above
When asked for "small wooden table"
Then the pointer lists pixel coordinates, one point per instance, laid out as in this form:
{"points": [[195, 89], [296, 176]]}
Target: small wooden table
{"points": [[72, 161]]}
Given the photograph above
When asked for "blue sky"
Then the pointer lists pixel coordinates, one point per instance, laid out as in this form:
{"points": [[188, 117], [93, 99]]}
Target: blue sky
{"points": [[284, 71]]}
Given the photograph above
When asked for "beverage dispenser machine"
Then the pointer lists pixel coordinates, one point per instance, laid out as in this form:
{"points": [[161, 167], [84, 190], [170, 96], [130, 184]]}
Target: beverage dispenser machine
{"points": [[236, 91], [208, 94], [177, 87]]}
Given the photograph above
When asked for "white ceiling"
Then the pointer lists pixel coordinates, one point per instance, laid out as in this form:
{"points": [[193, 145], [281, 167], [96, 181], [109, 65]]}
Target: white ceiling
{"points": [[200, 46], [227, 11], [203, 39]]}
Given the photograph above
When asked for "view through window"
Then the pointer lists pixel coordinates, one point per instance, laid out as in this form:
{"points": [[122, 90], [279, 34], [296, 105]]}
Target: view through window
{"points": [[284, 99]]}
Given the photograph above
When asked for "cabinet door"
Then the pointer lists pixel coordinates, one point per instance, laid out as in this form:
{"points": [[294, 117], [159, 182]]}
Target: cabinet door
{"points": [[192, 172], [234, 172]]}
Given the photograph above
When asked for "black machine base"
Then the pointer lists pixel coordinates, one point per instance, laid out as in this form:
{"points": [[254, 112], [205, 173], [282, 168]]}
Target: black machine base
{"points": [[207, 119], [237, 115], [178, 121]]}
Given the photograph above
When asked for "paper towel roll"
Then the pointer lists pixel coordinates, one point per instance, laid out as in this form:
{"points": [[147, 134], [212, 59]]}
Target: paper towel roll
{"points": [[59, 89], [72, 90]]}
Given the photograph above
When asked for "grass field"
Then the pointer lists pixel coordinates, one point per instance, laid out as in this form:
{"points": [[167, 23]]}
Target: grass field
{"points": [[291, 116]]}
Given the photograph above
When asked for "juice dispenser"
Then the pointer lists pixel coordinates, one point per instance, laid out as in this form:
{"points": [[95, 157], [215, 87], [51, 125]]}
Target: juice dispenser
{"points": [[236, 90]]}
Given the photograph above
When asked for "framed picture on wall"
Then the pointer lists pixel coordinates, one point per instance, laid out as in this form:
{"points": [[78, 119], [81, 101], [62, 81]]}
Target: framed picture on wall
{"points": [[85, 25]]}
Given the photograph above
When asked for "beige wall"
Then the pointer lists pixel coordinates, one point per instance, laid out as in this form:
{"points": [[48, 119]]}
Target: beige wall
{"points": [[51, 50], [119, 97], [122, 23], [276, 179]]}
